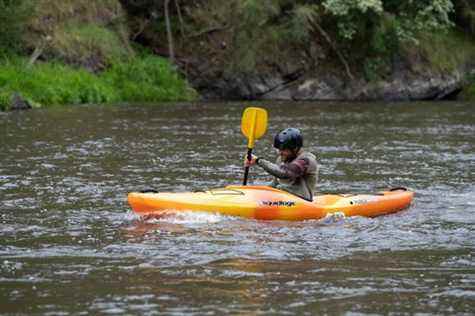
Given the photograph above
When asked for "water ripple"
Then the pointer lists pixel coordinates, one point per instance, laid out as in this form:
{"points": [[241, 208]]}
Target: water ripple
{"points": [[69, 243]]}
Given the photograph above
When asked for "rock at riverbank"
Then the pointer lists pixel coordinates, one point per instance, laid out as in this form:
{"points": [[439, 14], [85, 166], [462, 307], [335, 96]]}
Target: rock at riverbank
{"points": [[400, 87], [18, 103]]}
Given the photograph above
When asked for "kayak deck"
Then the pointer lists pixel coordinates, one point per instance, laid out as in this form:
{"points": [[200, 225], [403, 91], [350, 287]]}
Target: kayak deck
{"points": [[266, 203]]}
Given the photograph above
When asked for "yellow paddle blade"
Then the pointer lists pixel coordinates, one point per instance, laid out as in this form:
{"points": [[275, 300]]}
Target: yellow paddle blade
{"points": [[254, 124]]}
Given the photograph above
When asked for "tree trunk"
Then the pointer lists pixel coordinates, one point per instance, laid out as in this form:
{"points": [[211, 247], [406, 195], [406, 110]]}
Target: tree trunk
{"points": [[335, 49], [180, 18], [169, 33], [39, 50]]}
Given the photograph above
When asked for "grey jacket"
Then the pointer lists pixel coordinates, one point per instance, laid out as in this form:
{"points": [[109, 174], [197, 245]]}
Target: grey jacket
{"points": [[298, 176]]}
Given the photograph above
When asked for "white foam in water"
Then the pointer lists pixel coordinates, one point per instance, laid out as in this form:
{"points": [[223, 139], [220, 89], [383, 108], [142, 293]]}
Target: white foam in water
{"points": [[335, 217], [189, 217], [130, 216]]}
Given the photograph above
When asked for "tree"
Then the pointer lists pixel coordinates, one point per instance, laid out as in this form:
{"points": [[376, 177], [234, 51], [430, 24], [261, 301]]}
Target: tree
{"points": [[169, 31], [13, 17], [465, 15], [155, 10]]}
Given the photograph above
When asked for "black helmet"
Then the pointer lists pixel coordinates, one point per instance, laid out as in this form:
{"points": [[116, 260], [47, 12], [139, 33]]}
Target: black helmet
{"points": [[289, 138]]}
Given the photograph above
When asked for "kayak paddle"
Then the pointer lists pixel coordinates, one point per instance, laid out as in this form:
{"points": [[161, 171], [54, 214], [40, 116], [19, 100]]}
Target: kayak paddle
{"points": [[253, 126]]}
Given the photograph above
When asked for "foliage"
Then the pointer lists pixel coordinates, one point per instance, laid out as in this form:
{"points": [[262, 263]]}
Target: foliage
{"points": [[149, 79], [357, 19], [235, 36], [52, 84], [85, 44], [465, 15], [254, 33], [444, 52], [350, 15], [259, 32], [245, 36], [4, 100], [79, 32], [301, 21], [421, 16], [86, 34], [13, 17]]}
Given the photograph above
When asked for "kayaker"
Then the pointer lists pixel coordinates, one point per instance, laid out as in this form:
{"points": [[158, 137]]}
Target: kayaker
{"points": [[295, 171]]}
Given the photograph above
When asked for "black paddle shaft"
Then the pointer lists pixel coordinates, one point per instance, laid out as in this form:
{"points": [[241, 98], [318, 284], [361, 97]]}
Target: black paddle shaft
{"points": [[246, 170]]}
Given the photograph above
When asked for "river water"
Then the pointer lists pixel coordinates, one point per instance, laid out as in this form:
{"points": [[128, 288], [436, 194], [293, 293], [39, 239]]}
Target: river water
{"points": [[69, 243]]}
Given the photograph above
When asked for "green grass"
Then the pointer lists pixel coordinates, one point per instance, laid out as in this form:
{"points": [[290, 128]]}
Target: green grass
{"points": [[144, 79], [51, 84], [84, 33], [81, 35]]}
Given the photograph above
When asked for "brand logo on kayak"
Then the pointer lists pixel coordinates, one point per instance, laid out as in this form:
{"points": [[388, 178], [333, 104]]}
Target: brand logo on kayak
{"points": [[278, 203], [365, 200]]}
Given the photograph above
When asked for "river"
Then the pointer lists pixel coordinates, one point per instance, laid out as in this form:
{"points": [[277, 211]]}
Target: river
{"points": [[69, 243]]}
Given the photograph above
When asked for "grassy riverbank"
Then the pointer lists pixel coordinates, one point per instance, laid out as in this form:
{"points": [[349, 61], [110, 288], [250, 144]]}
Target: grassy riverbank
{"points": [[79, 52], [141, 79], [91, 51]]}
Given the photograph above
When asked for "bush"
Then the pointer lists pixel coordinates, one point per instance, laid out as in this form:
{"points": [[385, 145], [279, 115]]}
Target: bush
{"points": [[79, 32], [465, 15], [4, 100], [445, 52], [146, 79], [88, 45], [52, 84], [13, 17]]}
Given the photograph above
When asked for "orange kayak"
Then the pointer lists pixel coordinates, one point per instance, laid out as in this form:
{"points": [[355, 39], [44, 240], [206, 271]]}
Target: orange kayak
{"points": [[266, 203]]}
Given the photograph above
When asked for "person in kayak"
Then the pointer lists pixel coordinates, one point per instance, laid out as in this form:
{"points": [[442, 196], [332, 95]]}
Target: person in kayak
{"points": [[295, 171]]}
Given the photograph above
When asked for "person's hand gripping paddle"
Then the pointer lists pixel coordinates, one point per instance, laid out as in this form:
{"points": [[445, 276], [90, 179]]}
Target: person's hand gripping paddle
{"points": [[253, 126]]}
